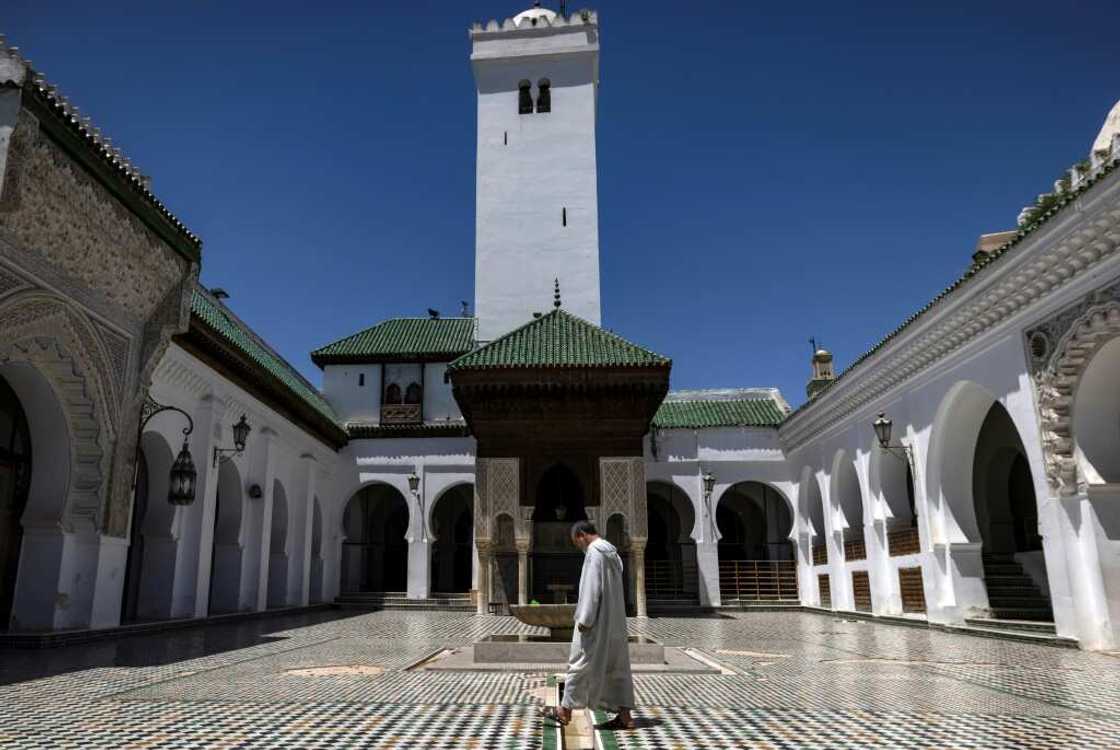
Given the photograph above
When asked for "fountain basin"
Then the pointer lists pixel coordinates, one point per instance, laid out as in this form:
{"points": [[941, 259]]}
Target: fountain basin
{"points": [[542, 649]]}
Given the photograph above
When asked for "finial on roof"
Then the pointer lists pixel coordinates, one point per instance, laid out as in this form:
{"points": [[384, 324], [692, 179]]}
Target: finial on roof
{"points": [[556, 294]]}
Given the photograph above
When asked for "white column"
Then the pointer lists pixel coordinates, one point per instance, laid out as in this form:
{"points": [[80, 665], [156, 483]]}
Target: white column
{"points": [[196, 537], [638, 561], [419, 568], [299, 574], [484, 563], [268, 464], [522, 572], [1091, 528]]}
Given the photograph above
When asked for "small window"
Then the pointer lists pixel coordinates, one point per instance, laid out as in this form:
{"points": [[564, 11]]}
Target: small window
{"points": [[544, 95], [361, 379], [412, 394], [564, 216], [393, 394], [525, 98]]}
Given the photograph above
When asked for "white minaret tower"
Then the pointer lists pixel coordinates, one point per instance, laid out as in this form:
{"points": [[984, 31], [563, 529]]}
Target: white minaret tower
{"points": [[537, 214]]}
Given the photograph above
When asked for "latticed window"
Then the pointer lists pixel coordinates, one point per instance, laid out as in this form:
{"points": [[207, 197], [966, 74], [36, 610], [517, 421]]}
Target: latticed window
{"points": [[544, 95], [525, 98]]}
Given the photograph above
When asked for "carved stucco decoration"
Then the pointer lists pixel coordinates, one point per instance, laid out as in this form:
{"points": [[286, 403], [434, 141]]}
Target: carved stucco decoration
{"points": [[54, 339], [9, 282], [54, 208], [496, 493], [623, 492], [1059, 349]]}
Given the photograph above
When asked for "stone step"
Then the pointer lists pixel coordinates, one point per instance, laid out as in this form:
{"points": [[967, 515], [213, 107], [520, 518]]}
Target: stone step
{"points": [[1036, 614], [1026, 626]]}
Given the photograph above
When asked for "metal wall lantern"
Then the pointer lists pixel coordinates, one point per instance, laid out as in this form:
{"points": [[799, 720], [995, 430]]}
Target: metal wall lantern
{"points": [[414, 488], [709, 481], [883, 425], [183, 473], [241, 432]]}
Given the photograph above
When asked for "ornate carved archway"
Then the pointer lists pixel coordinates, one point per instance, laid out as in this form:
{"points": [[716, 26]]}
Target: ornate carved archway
{"points": [[1060, 350], [45, 333]]}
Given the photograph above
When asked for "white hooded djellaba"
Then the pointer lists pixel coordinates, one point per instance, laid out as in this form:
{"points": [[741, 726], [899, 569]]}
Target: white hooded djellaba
{"points": [[599, 663]]}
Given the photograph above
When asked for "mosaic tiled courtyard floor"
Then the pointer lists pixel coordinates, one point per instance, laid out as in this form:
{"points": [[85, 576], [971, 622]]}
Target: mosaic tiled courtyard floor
{"points": [[800, 681]]}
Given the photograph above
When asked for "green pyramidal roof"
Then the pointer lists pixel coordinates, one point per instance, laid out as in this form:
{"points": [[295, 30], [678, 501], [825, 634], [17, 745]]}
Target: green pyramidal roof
{"points": [[701, 409], [401, 339], [559, 339], [211, 314]]}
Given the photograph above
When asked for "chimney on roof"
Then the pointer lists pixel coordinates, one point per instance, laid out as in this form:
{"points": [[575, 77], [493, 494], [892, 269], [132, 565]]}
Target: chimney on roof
{"points": [[988, 244], [219, 294], [433, 313], [823, 373]]}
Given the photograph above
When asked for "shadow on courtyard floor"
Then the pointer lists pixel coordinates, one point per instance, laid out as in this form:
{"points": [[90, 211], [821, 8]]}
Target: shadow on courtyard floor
{"points": [[154, 649]]}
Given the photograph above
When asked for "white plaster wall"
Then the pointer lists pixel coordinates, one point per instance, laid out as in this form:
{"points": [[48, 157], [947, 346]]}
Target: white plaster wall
{"points": [[530, 168], [350, 401], [439, 402]]}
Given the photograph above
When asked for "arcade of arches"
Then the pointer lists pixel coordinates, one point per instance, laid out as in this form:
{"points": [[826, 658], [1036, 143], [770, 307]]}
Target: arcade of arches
{"points": [[756, 558]]}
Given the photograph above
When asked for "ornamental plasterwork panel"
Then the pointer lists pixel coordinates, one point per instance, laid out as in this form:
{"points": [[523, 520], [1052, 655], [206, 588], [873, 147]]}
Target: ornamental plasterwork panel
{"points": [[1059, 349], [9, 282], [496, 493], [622, 483], [1000, 295], [54, 208]]}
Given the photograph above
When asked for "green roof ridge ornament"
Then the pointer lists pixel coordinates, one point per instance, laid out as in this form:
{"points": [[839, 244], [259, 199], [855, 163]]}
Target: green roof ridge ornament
{"points": [[556, 294]]}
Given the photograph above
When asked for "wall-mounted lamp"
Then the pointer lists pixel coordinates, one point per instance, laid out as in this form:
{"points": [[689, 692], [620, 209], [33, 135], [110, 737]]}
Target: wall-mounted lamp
{"points": [[183, 474], [709, 481], [414, 488], [255, 491], [241, 432], [883, 425]]}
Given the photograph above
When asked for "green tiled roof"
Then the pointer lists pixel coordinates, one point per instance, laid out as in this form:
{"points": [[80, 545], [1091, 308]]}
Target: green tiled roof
{"points": [[211, 314], [698, 413], [402, 338], [559, 339]]}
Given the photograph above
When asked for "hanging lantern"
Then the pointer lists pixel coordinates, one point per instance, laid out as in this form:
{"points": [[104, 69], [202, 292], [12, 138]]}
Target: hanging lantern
{"points": [[709, 483], [413, 483], [183, 476], [241, 432], [883, 427]]}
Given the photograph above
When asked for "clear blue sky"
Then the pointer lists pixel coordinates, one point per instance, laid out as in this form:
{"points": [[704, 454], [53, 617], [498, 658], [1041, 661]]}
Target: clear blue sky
{"points": [[768, 171]]}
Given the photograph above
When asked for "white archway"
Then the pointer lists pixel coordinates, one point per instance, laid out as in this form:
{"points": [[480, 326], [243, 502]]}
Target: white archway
{"points": [[847, 500], [278, 548], [159, 542], [375, 524], [226, 562], [1096, 417], [452, 537]]}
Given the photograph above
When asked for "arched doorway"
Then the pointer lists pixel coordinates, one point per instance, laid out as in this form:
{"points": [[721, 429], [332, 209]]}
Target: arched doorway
{"points": [[671, 571], [453, 549], [848, 498], [130, 600], [155, 544], [15, 483], [1007, 519], [890, 476], [278, 548], [756, 558], [225, 565], [375, 553], [555, 565]]}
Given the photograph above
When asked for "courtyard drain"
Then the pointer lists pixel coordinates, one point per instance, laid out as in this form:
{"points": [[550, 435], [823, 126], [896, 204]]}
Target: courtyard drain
{"points": [[352, 670]]}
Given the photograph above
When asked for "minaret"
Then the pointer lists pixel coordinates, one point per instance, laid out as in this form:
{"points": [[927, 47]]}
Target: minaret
{"points": [[537, 213], [823, 374]]}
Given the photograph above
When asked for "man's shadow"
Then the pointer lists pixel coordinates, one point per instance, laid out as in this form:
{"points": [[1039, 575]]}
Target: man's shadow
{"points": [[640, 722]]}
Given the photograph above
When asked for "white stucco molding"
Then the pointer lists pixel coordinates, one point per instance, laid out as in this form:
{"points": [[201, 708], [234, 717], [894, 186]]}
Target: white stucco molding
{"points": [[1068, 247], [1060, 349]]}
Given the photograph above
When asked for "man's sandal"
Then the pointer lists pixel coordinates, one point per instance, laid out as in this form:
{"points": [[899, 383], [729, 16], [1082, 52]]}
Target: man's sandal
{"points": [[550, 712], [617, 724]]}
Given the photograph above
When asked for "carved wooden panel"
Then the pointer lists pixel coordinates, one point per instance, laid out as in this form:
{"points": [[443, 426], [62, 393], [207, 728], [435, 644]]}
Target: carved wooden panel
{"points": [[861, 589], [913, 595], [825, 588]]}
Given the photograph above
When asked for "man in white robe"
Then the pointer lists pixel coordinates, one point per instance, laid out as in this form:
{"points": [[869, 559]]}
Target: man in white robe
{"points": [[599, 663]]}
